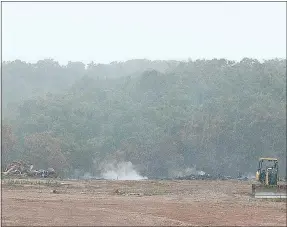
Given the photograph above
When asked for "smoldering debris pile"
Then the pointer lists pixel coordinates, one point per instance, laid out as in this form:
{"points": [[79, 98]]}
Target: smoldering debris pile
{"points": [[204, 176], [194, 174], [22, 169]]}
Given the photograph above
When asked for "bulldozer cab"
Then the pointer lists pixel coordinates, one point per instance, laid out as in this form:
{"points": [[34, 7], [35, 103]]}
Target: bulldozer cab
{"points": [[265, 163], [266, 167]]}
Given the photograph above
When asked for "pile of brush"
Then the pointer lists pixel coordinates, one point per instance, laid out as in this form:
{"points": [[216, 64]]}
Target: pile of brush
{"points": [[20, 168]]}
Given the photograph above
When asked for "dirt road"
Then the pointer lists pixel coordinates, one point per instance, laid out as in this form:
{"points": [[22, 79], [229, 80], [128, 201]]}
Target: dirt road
{"points": [[138, 203]]}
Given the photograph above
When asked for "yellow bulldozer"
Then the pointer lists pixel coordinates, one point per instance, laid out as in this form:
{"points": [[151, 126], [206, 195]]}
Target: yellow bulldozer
{"points": [[267, 177]]}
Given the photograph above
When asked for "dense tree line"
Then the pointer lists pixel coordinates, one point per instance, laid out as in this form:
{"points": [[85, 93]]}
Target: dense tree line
{"points": [[163, 116]]}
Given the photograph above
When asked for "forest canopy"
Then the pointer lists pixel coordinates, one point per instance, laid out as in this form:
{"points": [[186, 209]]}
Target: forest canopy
{"points": [[162, 116]]}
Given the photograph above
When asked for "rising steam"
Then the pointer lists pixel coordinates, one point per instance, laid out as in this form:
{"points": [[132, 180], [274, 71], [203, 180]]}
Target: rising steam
{"points": [[120, 171]]}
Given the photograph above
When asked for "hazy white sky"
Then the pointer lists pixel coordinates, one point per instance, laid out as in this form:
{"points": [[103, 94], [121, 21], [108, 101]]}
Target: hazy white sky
{"points": [[105, 32]]}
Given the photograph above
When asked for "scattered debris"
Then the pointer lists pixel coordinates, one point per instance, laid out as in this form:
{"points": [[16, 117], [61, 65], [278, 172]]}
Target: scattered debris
{"points": [[54, 191], [118, 192], [134, 194]]}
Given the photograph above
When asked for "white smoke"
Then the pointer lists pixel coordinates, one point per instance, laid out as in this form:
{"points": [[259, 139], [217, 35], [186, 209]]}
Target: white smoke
{"points": [[120, 171]]}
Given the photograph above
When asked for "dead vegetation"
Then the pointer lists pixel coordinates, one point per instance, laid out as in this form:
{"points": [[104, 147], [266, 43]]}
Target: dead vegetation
{"points": [[21, 169]]}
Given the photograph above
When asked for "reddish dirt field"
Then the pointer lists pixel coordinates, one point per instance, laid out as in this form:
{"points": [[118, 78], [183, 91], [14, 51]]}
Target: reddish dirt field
{"points": [[138, 203]]}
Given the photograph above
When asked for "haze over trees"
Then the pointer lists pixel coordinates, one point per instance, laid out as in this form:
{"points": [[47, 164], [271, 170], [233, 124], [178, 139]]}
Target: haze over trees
{"points": [[163, 116]]}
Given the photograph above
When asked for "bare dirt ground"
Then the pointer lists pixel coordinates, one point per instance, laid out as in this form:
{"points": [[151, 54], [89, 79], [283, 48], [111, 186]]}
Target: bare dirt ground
{"points": [[137, 203]]}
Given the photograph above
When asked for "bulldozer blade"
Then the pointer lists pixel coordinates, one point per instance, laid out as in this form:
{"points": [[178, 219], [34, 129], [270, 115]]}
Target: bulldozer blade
{"points": [[269, 192]]}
